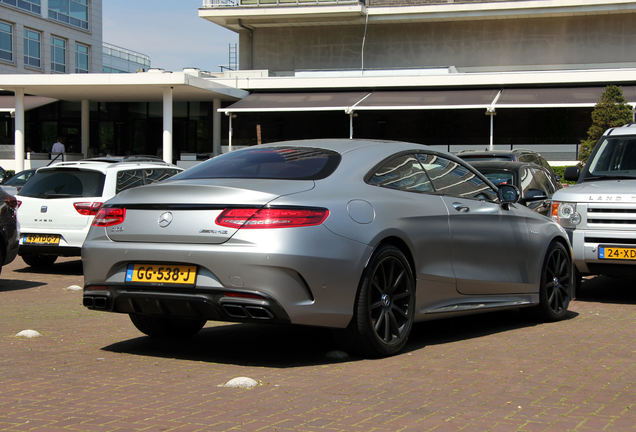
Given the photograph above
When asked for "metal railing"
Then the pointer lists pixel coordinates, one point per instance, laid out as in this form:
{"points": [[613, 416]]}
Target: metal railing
{"points": [[212, 4], [125, 54]]}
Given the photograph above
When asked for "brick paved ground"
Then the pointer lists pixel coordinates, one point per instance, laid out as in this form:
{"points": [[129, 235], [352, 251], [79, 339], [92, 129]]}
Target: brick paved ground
{"points": [[92, 371]]}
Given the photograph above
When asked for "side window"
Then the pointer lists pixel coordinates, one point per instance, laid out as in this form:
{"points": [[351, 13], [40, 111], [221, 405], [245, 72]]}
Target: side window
{"points": [[129, 179], [153, 175], [527, 158], [452, 178], [544, 182], [545, 164], [403, 173]]}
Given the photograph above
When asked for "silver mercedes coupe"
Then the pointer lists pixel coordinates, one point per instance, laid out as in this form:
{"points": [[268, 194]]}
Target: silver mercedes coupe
{"points": [[360, 235]]}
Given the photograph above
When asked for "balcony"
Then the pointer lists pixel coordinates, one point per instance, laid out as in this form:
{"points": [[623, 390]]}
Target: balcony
{"points": [[213, 4]]}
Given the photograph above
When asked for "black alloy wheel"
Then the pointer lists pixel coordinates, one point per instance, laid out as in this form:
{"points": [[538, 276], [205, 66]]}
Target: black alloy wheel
{"points": [[386, 303], [556, 283]]}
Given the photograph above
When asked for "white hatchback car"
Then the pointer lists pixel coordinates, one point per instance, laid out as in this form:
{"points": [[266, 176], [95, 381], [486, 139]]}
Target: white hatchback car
{"points": [[57, 205]]}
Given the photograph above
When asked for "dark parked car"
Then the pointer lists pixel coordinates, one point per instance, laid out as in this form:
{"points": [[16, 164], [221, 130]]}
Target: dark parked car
{"points": [[535, 182], [13, 184], [8, 229], [517, 155]]}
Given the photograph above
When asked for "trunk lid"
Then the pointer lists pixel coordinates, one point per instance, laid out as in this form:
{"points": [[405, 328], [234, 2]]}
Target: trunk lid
{"points": [[185, 211]]}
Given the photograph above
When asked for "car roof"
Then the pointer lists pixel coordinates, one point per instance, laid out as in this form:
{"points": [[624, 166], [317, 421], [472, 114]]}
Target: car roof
{"points": [[513, 152], [628, 129], [345, 145], [103, 165], [509, 165]]}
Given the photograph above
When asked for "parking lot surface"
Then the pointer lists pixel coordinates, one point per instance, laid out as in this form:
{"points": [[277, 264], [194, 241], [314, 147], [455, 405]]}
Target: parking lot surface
{"points": [[93, 371]]}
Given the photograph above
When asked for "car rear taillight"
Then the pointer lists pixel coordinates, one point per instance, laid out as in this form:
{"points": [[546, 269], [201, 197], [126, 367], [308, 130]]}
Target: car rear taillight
{"points": [[252, 218], [12, 202], [87, 208], [109, 216]]}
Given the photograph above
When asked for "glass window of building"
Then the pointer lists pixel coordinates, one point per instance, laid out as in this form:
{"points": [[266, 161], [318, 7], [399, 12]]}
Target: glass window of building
{"points": [[28, 5], [32, 40], [6, 41], [58, 54], [81, 58], [73, 12]]}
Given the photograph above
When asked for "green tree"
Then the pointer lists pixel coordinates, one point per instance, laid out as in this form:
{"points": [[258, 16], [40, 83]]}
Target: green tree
{"points": [[612, 110]]}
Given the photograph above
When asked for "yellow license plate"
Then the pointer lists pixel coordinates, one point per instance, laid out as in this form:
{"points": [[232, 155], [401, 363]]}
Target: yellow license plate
{"points": [[170, 274], [617, 253], [41, 239]]}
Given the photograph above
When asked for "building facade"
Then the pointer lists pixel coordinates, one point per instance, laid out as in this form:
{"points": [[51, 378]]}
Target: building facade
{"points": [[430, 54], [50, 36]]}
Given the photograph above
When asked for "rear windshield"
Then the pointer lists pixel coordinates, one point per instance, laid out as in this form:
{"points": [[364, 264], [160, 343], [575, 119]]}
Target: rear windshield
{"points": [[285, 163], [64, 183], [499, 177]]}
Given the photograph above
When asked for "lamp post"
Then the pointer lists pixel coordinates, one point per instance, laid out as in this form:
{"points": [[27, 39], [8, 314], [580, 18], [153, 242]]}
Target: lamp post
{"points": [[490, 111]]}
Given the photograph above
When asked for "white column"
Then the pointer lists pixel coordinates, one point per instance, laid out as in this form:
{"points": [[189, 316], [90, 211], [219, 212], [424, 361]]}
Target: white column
{"points": [[86, 124], [44, 6], [351, 125], [229, 133], [216, 127], [167, 125], [19, 130]]}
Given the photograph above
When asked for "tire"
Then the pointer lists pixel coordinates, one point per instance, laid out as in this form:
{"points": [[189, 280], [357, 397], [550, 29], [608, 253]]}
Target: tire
{"points": [[577, 281], [39, 261], [556, 284], [385, 304], [166, 328]]}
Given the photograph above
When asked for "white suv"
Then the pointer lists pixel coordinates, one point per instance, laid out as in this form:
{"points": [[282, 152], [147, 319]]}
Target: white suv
{"points": [[599, 213], [57, 205]]}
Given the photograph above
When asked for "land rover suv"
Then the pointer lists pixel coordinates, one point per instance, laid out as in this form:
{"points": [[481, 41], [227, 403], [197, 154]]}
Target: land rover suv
{"points": [[599, 212], [57, 205]]}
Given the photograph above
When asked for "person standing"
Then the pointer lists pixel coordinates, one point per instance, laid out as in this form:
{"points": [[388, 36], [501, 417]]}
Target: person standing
{"points": [[58, 147]]}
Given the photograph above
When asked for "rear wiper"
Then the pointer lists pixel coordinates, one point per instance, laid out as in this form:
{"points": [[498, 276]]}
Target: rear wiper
{"points": [[58, 195]]}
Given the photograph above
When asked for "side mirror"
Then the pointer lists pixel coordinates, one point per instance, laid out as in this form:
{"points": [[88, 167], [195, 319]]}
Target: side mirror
{"points": [[508, 194], [535, 195], [572, 173]]}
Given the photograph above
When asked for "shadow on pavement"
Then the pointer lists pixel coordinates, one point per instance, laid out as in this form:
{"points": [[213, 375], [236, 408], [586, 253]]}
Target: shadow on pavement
{"points": [[17, 285], [603, 289], [471, 326], [73, 268], [242, 344], [295, 346]]}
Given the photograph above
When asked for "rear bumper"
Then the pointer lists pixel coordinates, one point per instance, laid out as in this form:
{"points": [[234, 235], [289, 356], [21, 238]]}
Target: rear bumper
{"points": [[309, 277], [208, 305], [49, 250]]}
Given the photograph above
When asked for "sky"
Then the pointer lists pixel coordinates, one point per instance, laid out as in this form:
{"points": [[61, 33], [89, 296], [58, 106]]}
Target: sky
{"points": [[169, 31]]}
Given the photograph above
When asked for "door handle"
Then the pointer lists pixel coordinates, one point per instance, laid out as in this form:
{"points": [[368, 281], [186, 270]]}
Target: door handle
{"points": [[460, 207]]}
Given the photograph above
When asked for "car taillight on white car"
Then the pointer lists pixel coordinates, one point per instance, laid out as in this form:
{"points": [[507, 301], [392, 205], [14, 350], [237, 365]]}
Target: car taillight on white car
{"points": [[109, 216], [87, 208], [255, 218]]}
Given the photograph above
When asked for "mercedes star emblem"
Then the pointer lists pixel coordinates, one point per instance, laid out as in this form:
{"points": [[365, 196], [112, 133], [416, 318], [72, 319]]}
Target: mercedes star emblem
{"points": [[165, 219]]}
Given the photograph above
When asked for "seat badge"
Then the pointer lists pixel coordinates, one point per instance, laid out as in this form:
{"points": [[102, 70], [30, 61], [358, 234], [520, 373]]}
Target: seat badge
{"points": [[165, 219], [43, 209]]}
